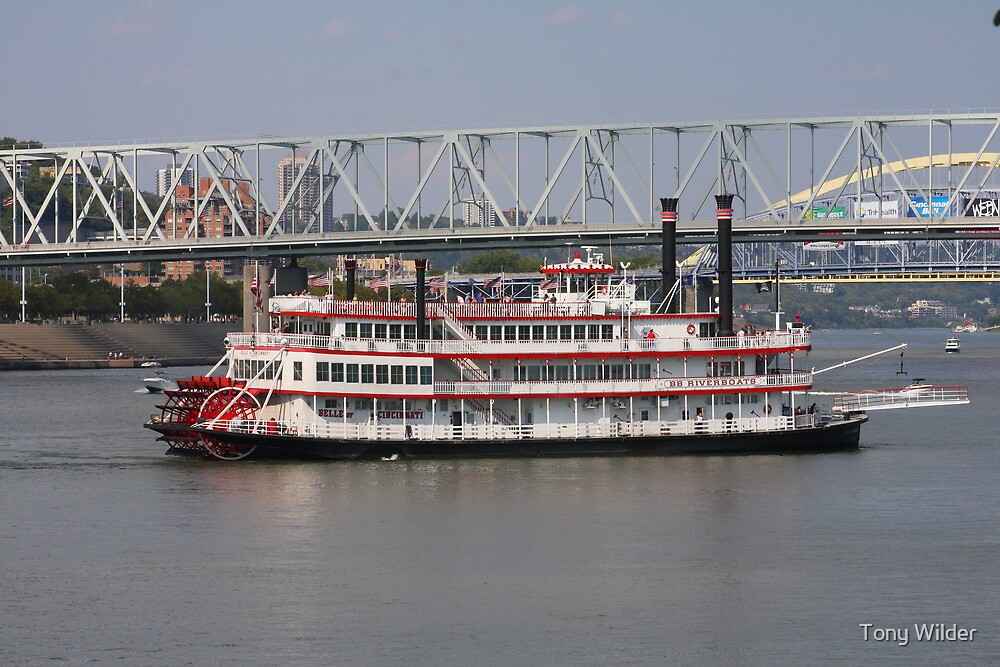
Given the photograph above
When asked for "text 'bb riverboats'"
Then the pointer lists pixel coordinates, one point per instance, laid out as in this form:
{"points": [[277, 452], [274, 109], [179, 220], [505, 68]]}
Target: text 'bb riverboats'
{"points": [[583, 367]]}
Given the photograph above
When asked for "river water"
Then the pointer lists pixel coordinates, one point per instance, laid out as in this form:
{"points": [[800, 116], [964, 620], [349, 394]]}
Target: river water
{"points": [[115, 554]]}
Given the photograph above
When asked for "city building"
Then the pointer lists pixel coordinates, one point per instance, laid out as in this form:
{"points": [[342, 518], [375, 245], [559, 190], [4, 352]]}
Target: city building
{"points": [[931, 308], [478, 212], [166, 176], [303, 208]]}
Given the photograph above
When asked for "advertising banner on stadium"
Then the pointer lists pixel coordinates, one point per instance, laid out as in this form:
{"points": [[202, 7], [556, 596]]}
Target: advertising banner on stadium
{"points": [[878, 209], [984, 208], [823, 245], [919, 209], [819, 213]]}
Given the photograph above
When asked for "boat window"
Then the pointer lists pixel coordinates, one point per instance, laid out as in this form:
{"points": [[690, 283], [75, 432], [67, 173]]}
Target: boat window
{"points": [[706, 330], [534, 372], [524, 332], [551, 332], [322, 371], [381, 331], [537, 332], [368, 373], [562, 372], [496, 332], [410, 331], [297, 370], [426, 375], [396, 374], [382, 374], [352, 372], [607, 331], [395, 331], [593, 331], [510, 332], [411, 375], [565, 332], [579, 331], [482, 332], [589, 371], [365, 331], [351, 329], [643, 371], [336, 372], [616, 372]]}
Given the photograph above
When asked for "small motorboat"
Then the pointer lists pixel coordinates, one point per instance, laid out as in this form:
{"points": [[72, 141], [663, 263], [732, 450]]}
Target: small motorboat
{"points": [[151, 364], [158, 383], [953, 345]]}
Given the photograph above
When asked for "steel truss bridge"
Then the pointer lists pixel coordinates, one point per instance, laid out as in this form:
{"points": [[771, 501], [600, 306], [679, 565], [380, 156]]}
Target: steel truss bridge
{"points": [[529, 187]]}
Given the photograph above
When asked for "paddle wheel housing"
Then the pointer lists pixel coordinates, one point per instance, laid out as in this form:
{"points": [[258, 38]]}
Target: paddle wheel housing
{"points": [[200, 399]]}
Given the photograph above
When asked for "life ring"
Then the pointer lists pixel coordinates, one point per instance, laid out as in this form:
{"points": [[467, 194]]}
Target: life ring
{"points": [[604, 289], [691, 329], [767, 409]]}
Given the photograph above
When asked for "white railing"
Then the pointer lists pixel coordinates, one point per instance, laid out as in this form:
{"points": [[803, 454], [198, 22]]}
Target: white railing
{"points": [[471, 348], [335, 430], [915, 396], [621, 387]]}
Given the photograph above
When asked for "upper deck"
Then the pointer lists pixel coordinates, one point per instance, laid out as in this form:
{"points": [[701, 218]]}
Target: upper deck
{"points": [[765, 341]]}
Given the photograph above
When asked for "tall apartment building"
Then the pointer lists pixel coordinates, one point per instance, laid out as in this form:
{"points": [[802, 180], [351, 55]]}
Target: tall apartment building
{"points": [[304, 204], [478, 212], [165, 178]]}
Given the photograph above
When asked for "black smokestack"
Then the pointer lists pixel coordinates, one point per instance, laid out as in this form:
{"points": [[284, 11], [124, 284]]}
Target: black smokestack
{"points": [[669, 249], [351, 265], [421, 265], [724, 214]]}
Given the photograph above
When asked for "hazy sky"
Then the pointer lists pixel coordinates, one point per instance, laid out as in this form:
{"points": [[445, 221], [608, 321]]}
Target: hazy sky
{"points": [[117, 71]]}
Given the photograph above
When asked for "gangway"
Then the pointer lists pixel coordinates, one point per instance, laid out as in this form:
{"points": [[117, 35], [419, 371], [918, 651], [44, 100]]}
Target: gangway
{"points": [[911, 396]]}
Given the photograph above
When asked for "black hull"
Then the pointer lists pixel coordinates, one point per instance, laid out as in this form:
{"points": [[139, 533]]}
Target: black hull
{"points": [[830, 436]]}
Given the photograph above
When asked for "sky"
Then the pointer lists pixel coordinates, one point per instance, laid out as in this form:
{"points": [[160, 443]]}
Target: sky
{"points": [[115, 71]]}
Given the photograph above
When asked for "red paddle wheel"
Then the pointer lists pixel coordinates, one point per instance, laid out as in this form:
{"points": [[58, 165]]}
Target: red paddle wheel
{"points": [[201, 399]]}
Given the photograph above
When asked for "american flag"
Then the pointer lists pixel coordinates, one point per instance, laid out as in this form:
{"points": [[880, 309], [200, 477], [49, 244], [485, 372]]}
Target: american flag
{"points": [[548, 283], [319, 280], [493, 284], [377, 284], [9, 201], [437, 284], [255, 290]]}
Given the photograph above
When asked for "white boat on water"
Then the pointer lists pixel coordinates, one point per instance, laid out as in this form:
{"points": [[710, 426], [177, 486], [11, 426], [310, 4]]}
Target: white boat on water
{"points": [[953, 345], [158, 383], [580, 365], [150, 364]]}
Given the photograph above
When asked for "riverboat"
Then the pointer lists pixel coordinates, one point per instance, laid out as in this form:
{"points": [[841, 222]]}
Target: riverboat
{"points": [[953, 345], [582, 367]]}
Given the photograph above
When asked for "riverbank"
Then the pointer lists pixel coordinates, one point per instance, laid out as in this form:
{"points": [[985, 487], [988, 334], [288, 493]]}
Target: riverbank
{"points": [[128, 345]]}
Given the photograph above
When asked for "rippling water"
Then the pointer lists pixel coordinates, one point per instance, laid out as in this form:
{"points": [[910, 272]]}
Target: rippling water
{"points": [[113, 553]]}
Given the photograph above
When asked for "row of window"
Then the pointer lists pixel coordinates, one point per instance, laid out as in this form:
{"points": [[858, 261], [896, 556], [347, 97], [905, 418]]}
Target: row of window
{"points": [[583, 372], [380, 331], [544, 331], [488, 331], [247, 369], [373, 373]]}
